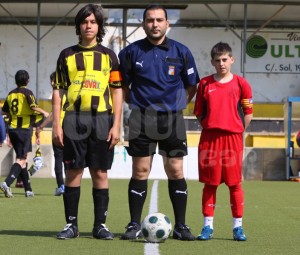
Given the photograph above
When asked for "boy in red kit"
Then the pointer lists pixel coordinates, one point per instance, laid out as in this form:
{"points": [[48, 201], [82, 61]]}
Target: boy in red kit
{"points": [[224, 109]]}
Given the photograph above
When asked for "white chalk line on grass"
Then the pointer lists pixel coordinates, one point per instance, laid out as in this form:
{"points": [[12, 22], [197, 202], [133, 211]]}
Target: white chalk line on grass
{"points": [[152, 248]]}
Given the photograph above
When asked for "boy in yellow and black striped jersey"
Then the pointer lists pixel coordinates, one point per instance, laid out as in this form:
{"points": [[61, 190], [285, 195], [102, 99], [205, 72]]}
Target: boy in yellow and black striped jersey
{"points": [[88, 73], [24, 113]]}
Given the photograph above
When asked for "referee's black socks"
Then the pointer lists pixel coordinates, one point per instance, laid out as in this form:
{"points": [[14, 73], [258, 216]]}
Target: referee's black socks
{"points": [[137, 193], [178, 196]]}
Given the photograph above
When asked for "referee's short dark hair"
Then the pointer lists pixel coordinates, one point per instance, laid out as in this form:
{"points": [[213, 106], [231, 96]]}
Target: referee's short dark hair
{"points": [[22, 78], [155, 7]]}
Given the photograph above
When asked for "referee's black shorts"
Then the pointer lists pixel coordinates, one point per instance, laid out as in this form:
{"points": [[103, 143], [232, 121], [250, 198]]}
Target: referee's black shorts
{"points": [[147, 129]]}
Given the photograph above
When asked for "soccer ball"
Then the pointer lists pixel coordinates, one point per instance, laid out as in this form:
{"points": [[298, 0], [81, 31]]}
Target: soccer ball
{"points": [[156, 227]]}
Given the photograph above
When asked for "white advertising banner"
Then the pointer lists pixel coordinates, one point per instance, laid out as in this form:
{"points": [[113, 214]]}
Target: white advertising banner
{"points": [[122, 165], [273, 52]]}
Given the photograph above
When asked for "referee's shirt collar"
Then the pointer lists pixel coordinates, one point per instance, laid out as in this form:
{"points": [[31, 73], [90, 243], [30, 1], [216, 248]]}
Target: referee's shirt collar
{"points": [[164, 45]]}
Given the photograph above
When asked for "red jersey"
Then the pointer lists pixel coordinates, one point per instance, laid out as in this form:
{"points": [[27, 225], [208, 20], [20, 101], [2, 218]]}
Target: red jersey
{"points": [[223, 105]]}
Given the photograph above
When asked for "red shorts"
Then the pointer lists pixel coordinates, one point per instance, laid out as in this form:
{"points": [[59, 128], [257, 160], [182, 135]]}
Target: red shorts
{"points": [[220, 156]]}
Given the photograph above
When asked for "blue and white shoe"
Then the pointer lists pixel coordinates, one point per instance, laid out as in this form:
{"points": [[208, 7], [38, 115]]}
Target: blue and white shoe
{"points": [[206, 234], [59, 191], [238, 234]]}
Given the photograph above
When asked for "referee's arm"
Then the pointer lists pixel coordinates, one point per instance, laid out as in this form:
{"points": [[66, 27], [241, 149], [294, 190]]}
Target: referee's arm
{"points": [[190, 92], [126, 92]]}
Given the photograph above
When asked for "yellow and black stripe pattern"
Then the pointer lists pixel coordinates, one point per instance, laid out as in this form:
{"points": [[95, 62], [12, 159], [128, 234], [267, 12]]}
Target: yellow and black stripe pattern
{"points": [[87, 74], [18, 104]]}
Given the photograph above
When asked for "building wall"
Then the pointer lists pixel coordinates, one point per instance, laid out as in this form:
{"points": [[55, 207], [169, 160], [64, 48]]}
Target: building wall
{"points": [[18, 50]]}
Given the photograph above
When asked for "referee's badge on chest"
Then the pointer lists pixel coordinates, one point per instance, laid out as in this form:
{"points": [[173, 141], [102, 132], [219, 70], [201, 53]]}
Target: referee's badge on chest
{"points": [[171, 70]]}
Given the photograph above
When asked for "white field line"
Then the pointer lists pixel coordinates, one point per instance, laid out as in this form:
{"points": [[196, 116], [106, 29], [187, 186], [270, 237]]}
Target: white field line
{"points": [[152, 248]]}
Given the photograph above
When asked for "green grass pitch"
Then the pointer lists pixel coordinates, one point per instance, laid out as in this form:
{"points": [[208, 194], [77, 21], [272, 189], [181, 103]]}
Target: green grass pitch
{"points": [[271, 221]]}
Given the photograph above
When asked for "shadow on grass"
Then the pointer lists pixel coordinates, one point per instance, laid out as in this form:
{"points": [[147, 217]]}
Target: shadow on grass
{"points": [[119, 235], [219, 239], [53, 234], [22, 194], [85, 235], [38, 233]]}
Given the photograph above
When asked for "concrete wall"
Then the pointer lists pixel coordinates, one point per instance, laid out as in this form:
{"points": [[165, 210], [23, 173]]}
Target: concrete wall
{"points": [[18, 51], [259, 164], [266, 164], [6, 159]]}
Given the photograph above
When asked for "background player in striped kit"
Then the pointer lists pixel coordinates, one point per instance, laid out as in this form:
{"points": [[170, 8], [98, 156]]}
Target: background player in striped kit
{"points": [[23, 111]]}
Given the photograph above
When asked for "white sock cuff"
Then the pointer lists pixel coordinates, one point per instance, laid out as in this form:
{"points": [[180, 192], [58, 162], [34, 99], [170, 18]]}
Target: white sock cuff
{"points": [[209, 221], [237, 222]]}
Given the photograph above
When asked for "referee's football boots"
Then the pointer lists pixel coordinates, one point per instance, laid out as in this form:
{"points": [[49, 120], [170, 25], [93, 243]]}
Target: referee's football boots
{"points": [[102, 232], [133, 231], [182, 232], [70, 231]]}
